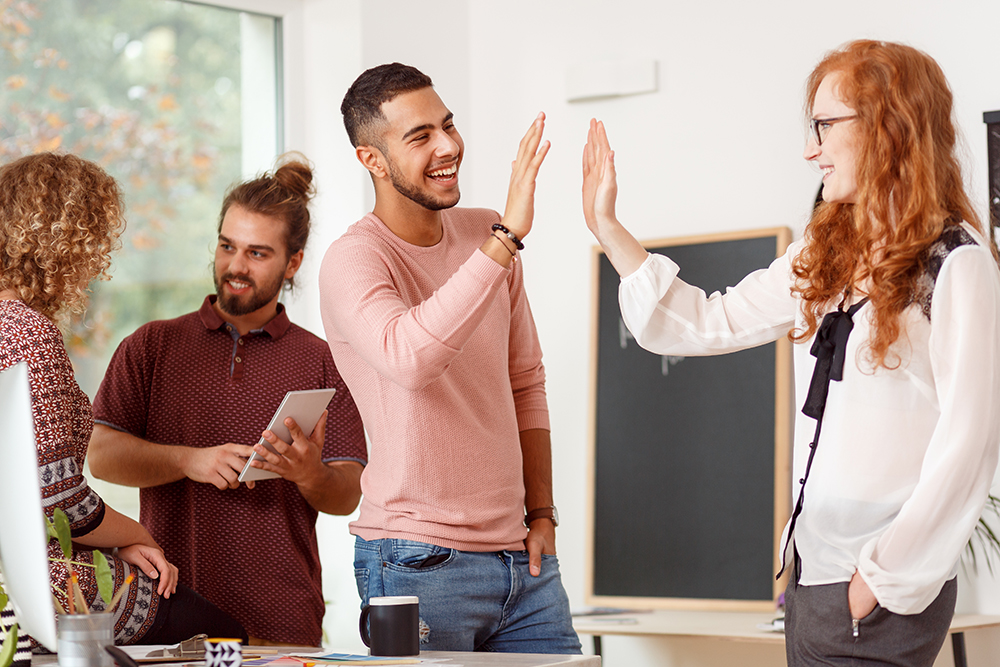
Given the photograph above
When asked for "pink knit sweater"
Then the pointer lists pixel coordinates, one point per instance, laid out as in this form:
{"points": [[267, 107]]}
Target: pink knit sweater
{"points": [[440, 352]]}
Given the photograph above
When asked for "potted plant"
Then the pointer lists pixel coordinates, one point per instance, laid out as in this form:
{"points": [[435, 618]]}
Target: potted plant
{"points": [[79, 631]]}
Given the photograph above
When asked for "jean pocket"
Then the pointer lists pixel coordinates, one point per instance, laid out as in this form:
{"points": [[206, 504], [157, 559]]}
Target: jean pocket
{"points": [[410, 555]]}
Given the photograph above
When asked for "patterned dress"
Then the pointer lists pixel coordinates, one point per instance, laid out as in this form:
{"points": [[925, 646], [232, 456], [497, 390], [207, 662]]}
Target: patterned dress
{"points": [[63, 423]]}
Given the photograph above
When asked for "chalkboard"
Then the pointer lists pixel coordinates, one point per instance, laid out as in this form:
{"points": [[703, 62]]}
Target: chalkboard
{"points": [[690, 456]]}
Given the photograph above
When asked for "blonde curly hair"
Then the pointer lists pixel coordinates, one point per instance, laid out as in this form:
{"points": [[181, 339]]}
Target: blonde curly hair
{"points": [[60, 219]]}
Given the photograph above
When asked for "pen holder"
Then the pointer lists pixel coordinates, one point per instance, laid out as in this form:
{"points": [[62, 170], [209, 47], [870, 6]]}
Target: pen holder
{"points": [[223, 652], [81, 639]]}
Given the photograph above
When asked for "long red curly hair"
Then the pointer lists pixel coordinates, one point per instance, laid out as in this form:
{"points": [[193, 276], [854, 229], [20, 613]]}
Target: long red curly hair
{"points": [[909, 187]]}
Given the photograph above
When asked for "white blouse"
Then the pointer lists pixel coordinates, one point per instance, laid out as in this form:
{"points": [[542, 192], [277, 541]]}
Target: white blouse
{"points": [[906, 457]]}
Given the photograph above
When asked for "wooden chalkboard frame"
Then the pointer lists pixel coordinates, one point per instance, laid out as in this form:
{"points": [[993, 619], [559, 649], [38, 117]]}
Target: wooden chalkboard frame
{"points": [[783, 415]]}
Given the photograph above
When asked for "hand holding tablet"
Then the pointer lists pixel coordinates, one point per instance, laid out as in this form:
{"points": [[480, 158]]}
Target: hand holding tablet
{"points": [[306, 408]]}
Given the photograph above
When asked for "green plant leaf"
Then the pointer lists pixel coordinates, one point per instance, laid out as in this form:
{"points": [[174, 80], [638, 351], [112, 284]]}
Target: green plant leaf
{"points": [[105, 583], [985, 537], [61, 527], [9, 647], [3, 597]]}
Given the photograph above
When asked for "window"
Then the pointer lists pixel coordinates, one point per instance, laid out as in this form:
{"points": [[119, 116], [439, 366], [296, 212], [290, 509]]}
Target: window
{"points": [[176, 101]]}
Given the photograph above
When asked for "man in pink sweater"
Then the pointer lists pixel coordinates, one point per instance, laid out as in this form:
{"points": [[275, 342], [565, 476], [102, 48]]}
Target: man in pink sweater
{"points": [[426, 315]]}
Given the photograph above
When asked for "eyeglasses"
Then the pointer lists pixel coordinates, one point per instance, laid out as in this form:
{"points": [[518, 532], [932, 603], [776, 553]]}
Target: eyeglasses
{"points": [[821, 126]]}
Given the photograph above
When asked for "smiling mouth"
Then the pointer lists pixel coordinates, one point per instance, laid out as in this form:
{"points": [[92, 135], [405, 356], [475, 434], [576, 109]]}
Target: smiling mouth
{"points": [[238, 285], [444, 174], [827, 171]]}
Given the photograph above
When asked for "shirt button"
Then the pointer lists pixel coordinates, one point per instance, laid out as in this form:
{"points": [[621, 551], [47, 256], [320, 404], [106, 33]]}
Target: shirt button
{"points": [[240, 341], [238, 360]]}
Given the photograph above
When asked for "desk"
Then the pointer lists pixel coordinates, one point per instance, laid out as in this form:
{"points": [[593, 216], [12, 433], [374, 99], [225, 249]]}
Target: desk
{"points": [[457, 657], [734, 626], [484, 659]]}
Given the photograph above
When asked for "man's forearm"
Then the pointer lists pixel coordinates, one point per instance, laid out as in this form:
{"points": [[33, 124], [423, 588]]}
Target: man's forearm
{"points": [[337, 491], [123, 458], [536, 455]]}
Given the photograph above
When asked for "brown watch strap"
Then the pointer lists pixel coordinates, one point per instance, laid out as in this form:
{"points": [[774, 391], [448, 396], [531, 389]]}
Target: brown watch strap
{"points": [[542, 513]]}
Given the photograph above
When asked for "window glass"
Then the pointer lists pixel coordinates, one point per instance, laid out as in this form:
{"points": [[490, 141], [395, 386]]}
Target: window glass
{"points": [[177, 101]]}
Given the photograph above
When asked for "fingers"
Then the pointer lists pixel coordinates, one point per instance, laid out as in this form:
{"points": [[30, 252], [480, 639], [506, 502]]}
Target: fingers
{"points": [[168, 581], [318, 436], [226, 477], [589, 149], [530, 140], [531, 151], [278, 447], [596, 150], [136, 555], [166, 572], [520, 210], [219, 466]]}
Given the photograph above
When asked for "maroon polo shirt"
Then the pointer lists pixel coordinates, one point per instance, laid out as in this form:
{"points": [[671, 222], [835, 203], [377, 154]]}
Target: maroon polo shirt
{"points": [[195, 381]]}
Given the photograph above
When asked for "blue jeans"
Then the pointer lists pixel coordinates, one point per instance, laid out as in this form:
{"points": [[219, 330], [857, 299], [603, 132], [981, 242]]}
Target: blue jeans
{"points": [[470, 600]]}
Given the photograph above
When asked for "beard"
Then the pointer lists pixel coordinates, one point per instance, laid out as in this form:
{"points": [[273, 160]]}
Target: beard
{"points": [[247, 303], [414, 194]]}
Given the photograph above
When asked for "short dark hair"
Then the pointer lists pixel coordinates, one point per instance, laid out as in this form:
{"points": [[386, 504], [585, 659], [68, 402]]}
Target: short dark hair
{"points": [[362, 105], [284, 195]]}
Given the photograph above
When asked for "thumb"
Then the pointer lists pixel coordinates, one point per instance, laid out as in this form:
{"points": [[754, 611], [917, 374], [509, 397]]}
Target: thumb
{"points": [[535, 559]]}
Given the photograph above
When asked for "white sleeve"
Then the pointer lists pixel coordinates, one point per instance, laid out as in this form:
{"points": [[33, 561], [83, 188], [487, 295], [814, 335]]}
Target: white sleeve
{"points": [[668, 316], [906, 565]]}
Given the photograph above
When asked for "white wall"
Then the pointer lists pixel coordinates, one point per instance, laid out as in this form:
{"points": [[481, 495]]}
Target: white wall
{"points": [[716, 148]]}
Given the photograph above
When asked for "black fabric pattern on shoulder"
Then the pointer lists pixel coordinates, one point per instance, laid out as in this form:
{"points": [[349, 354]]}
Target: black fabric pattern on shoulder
{"points": [[953, 236]]}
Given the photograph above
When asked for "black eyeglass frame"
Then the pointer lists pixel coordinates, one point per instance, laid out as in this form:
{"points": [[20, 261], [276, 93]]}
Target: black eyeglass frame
{"points": [[814, 124]]}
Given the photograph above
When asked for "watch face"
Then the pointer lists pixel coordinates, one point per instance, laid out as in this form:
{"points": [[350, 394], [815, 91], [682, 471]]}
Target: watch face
{"points": [[555, 516]]}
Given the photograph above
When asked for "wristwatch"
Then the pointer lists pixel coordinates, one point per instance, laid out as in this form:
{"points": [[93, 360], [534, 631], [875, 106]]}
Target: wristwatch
{"points": [[549, 512]]}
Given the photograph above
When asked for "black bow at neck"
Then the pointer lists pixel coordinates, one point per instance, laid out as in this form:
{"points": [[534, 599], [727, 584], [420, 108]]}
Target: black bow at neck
{"points": [[830, 349]]}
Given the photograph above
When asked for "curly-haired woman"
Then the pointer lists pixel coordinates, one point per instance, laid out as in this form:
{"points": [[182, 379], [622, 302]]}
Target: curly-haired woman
{"points": [[60, 219], [894, 294]]}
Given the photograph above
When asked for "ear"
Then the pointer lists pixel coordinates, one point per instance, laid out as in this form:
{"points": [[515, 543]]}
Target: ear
{"points": [[294, 264], [372, 160]]}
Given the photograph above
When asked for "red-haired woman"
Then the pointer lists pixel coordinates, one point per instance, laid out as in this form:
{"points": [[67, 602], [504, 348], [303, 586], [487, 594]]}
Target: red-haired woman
{"points": [[894, 294]]}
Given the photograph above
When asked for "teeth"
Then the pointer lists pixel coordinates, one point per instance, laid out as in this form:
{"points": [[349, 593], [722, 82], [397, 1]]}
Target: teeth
{"points": [[445, 172], [827, 171], [238, 285]]}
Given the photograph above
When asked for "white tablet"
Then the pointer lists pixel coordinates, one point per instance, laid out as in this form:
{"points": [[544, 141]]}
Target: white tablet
{"points": [[305, 407]]}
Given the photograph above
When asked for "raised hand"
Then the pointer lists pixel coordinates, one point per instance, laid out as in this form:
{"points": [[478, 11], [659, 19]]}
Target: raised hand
{"points": [[600, 191], [520, 210], [600, 182]]}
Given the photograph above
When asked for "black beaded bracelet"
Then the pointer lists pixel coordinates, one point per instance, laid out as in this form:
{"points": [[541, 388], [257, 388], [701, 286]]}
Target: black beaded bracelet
{"points": [[510, 235]]}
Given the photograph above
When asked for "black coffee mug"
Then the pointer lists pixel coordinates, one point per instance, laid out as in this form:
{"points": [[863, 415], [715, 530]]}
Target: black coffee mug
{"points": [[390, 625]]}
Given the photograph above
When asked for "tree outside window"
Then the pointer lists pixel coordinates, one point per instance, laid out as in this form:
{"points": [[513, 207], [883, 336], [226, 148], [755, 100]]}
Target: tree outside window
{"points": [[149, 89], [153, 91]]}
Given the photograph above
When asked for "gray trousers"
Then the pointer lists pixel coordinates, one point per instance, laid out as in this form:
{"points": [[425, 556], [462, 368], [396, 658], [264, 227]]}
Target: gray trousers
{"points": [[819, 629]]}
